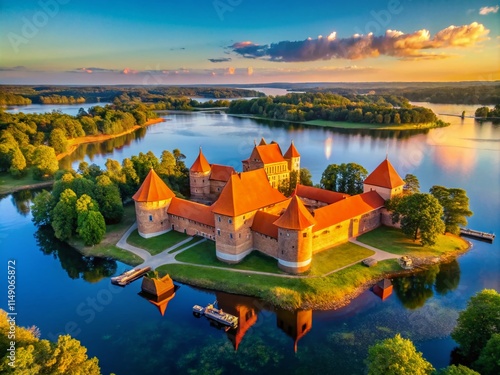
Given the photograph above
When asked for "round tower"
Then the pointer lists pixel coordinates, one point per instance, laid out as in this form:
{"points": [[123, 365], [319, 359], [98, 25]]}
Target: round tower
{"points": [[295, 238], [293, 158], [199, 178]]}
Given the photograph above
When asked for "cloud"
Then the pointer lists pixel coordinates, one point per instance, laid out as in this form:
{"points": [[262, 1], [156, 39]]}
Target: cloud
{"points": [[250, 71], [18, 68], [231, 70], [487, 10], [221, 59], [93, 70], [129, 71], [393, 43], [177, 48]]}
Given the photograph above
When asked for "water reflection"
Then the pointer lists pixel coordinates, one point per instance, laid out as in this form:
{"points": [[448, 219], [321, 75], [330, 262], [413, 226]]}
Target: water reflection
{"points": [[161, 301], [413, 291], [90, 269], [22, 201]]}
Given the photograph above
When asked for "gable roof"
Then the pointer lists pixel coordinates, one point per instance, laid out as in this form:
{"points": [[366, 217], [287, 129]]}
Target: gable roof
{"points": [[263, 223], [200, 164], [153, 189], [262, 142], [246, 192], [296, 216], [192, 211], [318, 194], [292, 152], [268, 154], [221, 172], [385, 176], [347, 209]]}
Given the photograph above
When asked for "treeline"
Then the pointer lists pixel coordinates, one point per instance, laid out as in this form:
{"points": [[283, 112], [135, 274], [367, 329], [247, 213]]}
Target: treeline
{"points": [[188, 104], [485, 112], [12, 99], [34, 140], [333, 107], [452, 94], [82, 202], [95, 94]]}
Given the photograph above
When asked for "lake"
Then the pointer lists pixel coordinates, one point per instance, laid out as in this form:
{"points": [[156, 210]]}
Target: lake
{"points": [[61, 291]]}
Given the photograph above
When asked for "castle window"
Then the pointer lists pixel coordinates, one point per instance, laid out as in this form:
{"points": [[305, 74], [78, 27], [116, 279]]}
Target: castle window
{"points": [[150, 217], [218, 219], [288, 234], [240, 235], [218, 232], [229, 221], [230, 235], [243, 217], [304, 235]]}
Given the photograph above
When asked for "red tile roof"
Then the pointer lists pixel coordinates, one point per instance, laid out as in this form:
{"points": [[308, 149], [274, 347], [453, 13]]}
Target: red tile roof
{"points": [[221, 172], [192, 211], [262, 142], [200, 164], [296, 216], [263, 223], [268, 154], [292, 152], [385, 176], [318, 194], [153, 189], [246, 192], [346, 209]]}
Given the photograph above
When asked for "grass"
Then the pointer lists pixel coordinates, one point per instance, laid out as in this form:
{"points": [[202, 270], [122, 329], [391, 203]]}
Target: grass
{"points": [[107, 248], [394, 241], [338, 257], [204, 254], [158, 244], [9, 184], [285, 292]]}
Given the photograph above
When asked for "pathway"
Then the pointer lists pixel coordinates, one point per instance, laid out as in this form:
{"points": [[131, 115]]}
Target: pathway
{"points": [[379, 254]]}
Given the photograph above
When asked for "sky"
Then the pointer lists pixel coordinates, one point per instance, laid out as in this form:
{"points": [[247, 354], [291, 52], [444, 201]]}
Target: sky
{"points": [[247, 41]]}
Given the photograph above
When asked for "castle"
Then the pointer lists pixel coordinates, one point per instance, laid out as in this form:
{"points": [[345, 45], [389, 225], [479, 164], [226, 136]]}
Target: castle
{"points": [[249, 214]]}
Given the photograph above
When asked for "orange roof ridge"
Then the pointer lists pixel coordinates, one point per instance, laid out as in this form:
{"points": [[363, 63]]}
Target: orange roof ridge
{"points": [[193, 211], [385, 176], [270, 153], [153, 189], [296, 216], [262, 142], [291, 152], [319, 194], [221, 172], [263, 224], [200, 164]]}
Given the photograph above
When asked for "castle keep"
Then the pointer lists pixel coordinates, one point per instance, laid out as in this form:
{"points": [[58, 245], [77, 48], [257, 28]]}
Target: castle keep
{"points": [[248, 213]]}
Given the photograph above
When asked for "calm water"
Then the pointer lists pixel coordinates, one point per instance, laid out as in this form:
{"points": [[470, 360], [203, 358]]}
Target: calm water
{"points": [[61, 291]]}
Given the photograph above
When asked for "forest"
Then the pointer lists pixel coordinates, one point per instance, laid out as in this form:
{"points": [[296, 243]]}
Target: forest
{"points": [[376, 109]]}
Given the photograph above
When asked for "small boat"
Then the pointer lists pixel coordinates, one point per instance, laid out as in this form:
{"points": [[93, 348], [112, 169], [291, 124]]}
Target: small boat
{"points": [[216, 315], [129, 276], [405, 262]]}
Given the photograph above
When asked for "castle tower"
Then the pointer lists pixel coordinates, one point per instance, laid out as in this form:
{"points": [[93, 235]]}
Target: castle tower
{"points": [[151, 204], [295, 237], [199, 178], [385, 181], [295, 324], [293, 158]]}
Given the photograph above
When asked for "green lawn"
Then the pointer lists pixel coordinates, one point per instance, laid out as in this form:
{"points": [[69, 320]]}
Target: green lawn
{"points": [[204, 254], [9, 184], [156, 245], [284, 292], [394, 241], [338, 257]]}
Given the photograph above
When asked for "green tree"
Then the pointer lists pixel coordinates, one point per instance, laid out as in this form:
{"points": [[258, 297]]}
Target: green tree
{"points": [[455, 207], [91, 227], [58, 141], [457, 370], [420, 214], [477, 323], [17, 163], [412, 184], [64, 215], [489, 359], [41, 208], [482, 112], [305, 177], [396, 356], [168, 164], [344, 178], [44, 162], [107, 195]]}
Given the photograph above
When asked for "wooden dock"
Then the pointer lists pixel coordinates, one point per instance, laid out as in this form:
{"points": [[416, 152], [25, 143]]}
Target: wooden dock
{"points": [[483, 236], [129, 276]]}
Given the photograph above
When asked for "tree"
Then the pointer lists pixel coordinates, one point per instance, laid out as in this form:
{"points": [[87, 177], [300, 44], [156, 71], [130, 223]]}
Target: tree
{"points": [[396, 356], [168, 164], [412, 184], [107, 195], [17, 163], [58, 141], [344, 178], [305, 177], [477, 323], [457, 370], [44, 162], [455, 207], [41, 208], [482, 112], [91, 227], [64, 215], [420, 214], [489, 359]]}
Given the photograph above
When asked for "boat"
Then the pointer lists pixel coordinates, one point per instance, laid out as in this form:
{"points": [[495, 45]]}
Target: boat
{"points": [[216, 315], [405, 262], [129, 276]]}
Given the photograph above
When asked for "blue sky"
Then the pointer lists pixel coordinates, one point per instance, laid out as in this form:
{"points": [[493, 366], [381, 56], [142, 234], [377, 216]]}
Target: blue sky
{"points": [[243, 41]]}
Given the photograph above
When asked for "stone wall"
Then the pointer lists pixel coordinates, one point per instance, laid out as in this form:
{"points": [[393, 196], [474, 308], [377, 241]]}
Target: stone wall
{"points": [[199, 185], [191, 228], [215, 189], [152, 218], [386, 219], [233, 237], [294, 250], [265, 244]]}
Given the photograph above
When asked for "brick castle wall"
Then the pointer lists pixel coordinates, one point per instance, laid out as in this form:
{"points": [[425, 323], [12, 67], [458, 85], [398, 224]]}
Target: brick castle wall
{"points": [[152, 217]]}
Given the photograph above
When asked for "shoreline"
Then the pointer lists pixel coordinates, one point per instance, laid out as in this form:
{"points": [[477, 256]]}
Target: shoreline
{"points": [[351, 126]]}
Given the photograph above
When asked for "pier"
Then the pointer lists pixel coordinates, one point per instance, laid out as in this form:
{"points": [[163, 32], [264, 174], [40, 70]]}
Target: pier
{"points": [[488, 237], [129, 276]]}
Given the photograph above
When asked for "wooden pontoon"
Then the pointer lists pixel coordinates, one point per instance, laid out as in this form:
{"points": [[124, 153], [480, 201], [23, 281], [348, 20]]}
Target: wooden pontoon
{"points": [[216, 315], [488, 237], [129, 276]]}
